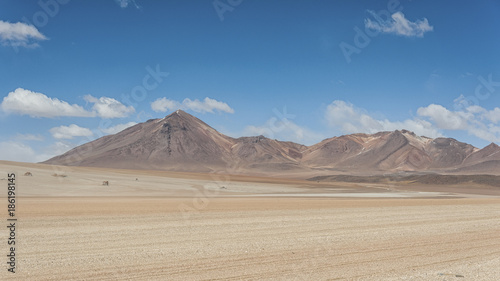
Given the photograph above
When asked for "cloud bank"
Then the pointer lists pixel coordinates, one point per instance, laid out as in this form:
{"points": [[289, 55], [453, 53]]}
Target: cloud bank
{"points": [[431, 120], [350, 119], [26, 102], [473, 119]]}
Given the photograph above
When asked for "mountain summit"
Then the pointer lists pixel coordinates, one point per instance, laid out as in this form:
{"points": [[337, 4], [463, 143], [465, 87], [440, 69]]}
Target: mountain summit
{"points": [[179, 141], [182, 142]]}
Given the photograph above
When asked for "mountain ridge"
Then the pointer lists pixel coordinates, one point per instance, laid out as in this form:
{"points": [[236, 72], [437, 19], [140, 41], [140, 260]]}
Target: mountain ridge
{"points": [[182, 142]]}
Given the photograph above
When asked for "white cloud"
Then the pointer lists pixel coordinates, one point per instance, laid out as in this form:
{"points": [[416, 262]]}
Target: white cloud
{"points": [[20, 152], [26, 102], [399, 25], [350, 119], [467, 117], [55, 149], [477, 109], [284, 130], [164, 105], [19, 35], [29, 137], [117, 128], [106, 107], [490, 133], [493, 115], [15, 151], [444, 118], [207, 105], [68, 132]]}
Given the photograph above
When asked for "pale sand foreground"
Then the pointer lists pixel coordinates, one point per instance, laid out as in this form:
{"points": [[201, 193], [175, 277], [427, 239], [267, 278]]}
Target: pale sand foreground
{"points": [[90, 232], [255, 239]]}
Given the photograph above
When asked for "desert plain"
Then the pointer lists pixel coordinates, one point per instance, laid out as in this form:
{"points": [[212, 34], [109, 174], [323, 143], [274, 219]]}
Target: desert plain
{"points": [[157, 225]]}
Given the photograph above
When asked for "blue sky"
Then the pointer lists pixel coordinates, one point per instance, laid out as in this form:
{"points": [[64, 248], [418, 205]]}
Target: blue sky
{"points": [[72, 71]]}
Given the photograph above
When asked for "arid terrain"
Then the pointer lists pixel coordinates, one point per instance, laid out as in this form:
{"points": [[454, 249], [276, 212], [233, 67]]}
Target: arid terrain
{"points": [[156, 225], [249, 140]]}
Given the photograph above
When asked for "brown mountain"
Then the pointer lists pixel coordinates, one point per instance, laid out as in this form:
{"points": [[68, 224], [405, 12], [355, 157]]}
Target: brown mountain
{"points": [[175, 142], [182, 142], [488, 153], [388, 151], [486, 160], [260, 153]]}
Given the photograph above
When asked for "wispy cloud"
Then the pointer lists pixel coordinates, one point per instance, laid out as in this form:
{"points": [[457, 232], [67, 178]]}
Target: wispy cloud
{"points": [[117, 128], [20, 35], [284, 130], [399, 25], [207, 105], [69, 132], [28, 137], [466, 74], [57, 148], [125, 3], [106, 107], [18, 151]]}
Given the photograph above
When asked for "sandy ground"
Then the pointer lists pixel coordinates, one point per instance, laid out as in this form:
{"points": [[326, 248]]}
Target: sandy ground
{"points": [[173, 226]]}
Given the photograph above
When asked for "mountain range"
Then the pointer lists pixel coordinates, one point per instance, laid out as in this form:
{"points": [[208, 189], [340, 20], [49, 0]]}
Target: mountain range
{"points": [[182, 142]]}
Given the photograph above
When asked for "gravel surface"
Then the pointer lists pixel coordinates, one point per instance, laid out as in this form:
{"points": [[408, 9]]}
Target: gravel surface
{"points": [[258, 239]]}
